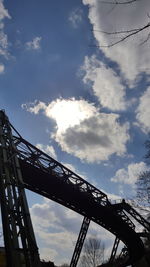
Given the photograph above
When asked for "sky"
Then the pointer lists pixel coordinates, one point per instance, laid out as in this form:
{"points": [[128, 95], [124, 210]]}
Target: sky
{"points": [[84, 101]]}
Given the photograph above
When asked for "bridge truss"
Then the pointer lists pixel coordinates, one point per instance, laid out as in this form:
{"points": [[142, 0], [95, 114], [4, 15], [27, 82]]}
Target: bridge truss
{"points": [[22, 165], [17, 227]]}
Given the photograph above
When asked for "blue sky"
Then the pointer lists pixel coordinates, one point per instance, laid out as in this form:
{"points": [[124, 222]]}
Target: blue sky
{"points": [[86, 106]]}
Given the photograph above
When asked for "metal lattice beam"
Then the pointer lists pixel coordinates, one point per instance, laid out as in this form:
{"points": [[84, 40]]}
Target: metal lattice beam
{"points": [[20, 244], [114, 250], [42, 161], [80, 242], [136, 215]]}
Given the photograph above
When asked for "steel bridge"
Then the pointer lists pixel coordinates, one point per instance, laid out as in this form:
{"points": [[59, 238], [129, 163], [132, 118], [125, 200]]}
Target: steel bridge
{"points": [[23, 166]]}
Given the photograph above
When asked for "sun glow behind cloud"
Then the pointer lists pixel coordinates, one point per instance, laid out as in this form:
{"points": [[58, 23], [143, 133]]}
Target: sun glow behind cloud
{"points": [[68, 113], [82, 130]]}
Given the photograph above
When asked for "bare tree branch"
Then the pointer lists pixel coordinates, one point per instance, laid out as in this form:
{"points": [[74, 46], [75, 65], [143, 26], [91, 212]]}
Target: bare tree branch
{"points": [[93, 253], [148, 37], [143, 187], [116, 32], [129, 33], [119, 2], [138, 206]]}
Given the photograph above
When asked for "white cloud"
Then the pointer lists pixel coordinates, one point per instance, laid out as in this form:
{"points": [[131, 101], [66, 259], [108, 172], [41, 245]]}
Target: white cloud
{"points": [[48, 254], [61, 240], [76, 17], [47, 214], [106, 84], [2, 68], [143, 111], [83, 131], [3, 44], [34, 107], [95, 139], [34, 44], [56, 228], [49, 150], [130, 174], [3, 37], [132, 58], [55, 216], [3, 11], [66, 113]]}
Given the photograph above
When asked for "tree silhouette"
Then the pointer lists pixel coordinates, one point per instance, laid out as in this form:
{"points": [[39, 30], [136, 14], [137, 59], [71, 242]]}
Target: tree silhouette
{"points": [[143, 182], [93, 253]]}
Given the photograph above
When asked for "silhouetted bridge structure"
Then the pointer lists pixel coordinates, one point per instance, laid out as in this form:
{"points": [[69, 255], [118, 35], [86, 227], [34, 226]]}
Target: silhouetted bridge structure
{"points": [[22, 166]]}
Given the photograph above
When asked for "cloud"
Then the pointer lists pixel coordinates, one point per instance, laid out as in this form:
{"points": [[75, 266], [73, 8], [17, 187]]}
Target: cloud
{"points": [[66, 113], [75, 17], [95, 139], [34, 107], [34, 44], [3, 11], [56, 228], [49, 150], [143, 112], [48, 254], [3, 37], [55, 216], [83, 131], [105, 82], [130, 174], [3, 44], [2, 68], [132, 58]]}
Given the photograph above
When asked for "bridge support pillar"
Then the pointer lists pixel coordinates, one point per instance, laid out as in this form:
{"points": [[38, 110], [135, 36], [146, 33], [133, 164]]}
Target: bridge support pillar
{"points": [[114, 250], [80, 241], [19, 239]]}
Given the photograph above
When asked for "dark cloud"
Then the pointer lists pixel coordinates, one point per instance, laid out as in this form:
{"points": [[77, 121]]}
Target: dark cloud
{"points": [[78, 137]]}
